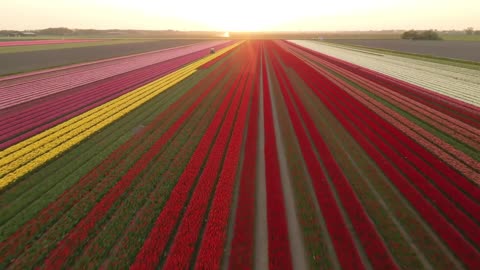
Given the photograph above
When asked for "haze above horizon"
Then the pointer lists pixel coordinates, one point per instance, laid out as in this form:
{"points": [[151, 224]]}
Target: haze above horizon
{"points": [[245, 15]]}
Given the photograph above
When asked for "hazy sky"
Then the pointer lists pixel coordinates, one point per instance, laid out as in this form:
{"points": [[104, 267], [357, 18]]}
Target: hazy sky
{"points": [[234, 15]]}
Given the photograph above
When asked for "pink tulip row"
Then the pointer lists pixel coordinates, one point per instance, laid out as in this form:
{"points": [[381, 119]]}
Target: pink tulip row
{"points": [[23, 92], [388, 147]]}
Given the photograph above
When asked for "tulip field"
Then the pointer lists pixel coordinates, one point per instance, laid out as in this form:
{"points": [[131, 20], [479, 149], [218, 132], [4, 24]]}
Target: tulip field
{"points": [[263, 155]]}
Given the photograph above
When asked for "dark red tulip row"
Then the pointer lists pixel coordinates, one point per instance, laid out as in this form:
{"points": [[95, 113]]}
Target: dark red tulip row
{"points": [[242, 253], [363, 126]]}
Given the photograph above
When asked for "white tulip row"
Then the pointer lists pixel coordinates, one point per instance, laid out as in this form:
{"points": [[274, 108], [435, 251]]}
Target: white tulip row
{"points": [[456, 82]]}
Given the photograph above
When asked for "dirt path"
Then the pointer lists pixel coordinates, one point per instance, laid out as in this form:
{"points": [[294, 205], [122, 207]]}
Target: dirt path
{"points": [[261, 231], [297, 247]]}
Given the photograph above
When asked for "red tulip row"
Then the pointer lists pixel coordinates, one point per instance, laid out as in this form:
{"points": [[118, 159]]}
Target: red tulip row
{"points": [[374, 246], [212, 246], [154, 246], [455, 108], [189, 231], [368, 129], [279, 255], [241, 256]]}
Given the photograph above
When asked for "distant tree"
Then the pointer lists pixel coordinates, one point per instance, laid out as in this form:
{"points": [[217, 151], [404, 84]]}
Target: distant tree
{"points": [[469, 31], [411, 34], [477, 32], [58, 31], [421, 35], [430, 35], [10, 33]]}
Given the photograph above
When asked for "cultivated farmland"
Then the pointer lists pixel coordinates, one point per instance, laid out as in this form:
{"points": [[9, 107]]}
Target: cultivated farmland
{"points": [[42, 42], [458, 49], [264, 154]]}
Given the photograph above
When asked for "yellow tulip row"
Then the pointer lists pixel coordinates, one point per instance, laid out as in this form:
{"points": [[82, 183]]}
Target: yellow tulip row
{"points": [[22, 158]]}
